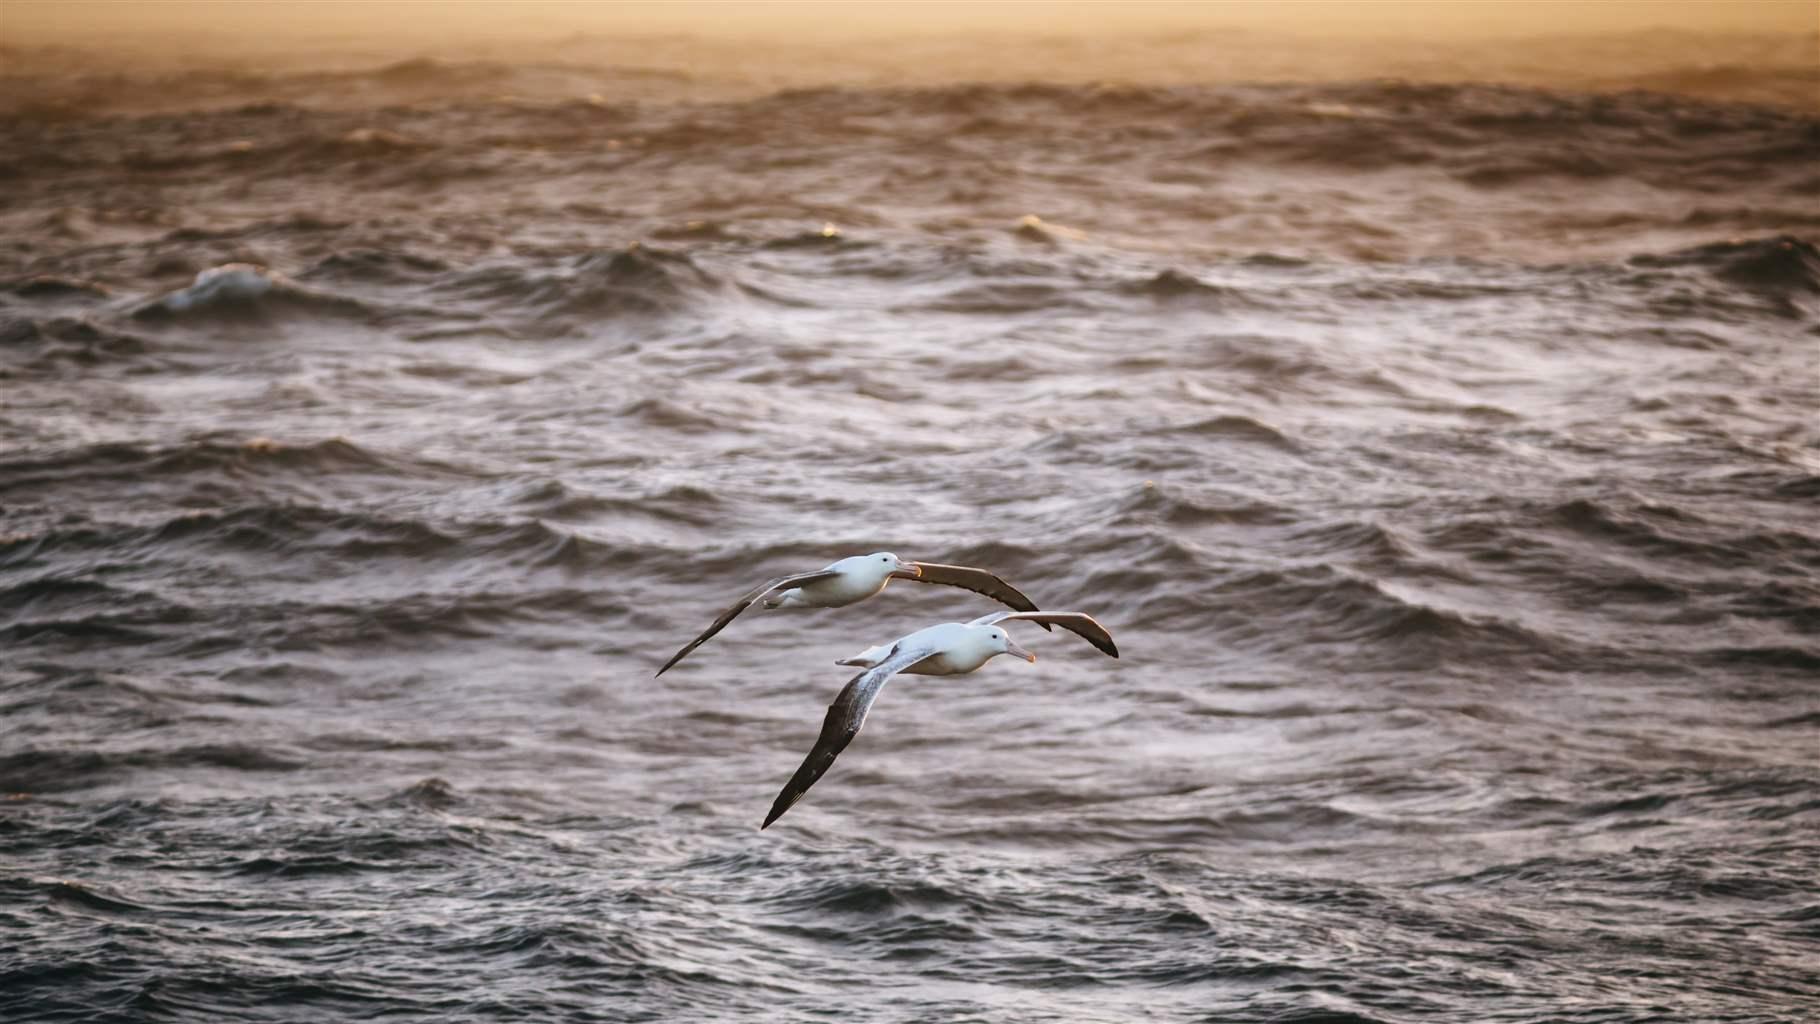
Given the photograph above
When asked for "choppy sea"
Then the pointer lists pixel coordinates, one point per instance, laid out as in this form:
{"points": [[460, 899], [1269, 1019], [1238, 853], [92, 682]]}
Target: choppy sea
{"points": [[1444, 457]]}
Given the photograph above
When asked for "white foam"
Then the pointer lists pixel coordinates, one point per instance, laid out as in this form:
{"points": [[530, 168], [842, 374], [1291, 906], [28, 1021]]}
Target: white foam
{"points": [[228, 283]]}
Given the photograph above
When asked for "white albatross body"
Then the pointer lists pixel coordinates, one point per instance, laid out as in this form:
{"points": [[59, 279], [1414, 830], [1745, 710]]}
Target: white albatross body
{"points": [[959, 649], [848, 581], [948, 649]]}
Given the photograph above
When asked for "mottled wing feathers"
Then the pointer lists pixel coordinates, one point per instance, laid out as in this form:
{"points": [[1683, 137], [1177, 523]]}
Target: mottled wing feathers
{"points": [[799, 580], [1079, 623], [838, 729], [843, 721], [977, 580]]}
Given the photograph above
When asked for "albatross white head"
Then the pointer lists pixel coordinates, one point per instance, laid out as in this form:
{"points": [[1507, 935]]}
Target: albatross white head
{"points": [[876, 568], [996, 642]]}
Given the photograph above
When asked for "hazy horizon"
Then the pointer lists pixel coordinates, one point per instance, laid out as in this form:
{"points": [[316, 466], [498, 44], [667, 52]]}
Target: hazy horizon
{"points": [[64, 56], [25, 22]]}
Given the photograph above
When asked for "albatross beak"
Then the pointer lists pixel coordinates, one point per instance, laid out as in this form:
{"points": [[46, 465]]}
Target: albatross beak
{"points": [[1012, 648], [907, 570]]}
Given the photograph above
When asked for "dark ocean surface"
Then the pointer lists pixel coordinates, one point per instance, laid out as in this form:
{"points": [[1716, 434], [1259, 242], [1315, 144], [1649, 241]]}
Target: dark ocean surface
{"points": [[1445, 459]]}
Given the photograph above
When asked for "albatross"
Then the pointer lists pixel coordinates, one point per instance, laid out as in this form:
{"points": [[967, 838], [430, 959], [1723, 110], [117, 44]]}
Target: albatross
{"points": [[852, 580], [948, 649]]}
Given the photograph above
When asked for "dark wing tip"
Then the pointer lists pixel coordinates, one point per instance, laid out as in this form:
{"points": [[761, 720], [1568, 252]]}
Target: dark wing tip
{"points": [[732, 613], [785, 800], [1085, 627], [834, 739], [678, 656], [783, 803], [1102, 641]]}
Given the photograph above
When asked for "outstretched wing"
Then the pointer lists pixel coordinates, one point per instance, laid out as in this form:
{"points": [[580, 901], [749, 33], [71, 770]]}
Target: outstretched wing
{"points": [[801, 579], [977, 580], [1079, 623], [845, 716]]}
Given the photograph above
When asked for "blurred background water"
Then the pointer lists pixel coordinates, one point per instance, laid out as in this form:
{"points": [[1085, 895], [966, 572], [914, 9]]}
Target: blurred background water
{"points": [[1437, 437]]}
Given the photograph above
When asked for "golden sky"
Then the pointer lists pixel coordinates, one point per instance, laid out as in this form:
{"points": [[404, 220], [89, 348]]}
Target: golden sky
{"points": [[75, 20]]}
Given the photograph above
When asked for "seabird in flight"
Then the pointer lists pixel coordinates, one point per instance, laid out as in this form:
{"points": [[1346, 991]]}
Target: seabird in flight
{"points": [[854, 579], [950, 649]]}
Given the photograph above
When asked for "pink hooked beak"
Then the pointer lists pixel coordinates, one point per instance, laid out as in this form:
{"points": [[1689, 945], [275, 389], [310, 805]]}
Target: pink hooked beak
{"points": [[1012, 648]]}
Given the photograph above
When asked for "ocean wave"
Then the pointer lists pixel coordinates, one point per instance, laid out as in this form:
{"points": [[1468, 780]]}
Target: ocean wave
{"points": [[431, 793], [241, 291], [352, 173], [272, 530], [638, 280], [1243, 429], [54, 287], [55, 344], [829, 237], [59, 601], [361, 151], [668, 414], [1368, 622], [1782, 268], [1670, 532], [999, 297], [58, 770], [421, 72], [238, 462], [370, 266], [1175, 286], [869, 898]]}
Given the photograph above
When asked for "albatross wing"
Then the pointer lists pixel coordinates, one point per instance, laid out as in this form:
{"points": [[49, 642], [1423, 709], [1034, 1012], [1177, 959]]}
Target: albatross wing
{"points": [[845, 716], [798, 580], [1079, 623], [977, 580]]}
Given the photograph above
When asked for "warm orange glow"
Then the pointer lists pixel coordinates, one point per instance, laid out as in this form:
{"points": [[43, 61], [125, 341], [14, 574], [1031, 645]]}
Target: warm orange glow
{"points": [[1762, 52], [403, 21]]}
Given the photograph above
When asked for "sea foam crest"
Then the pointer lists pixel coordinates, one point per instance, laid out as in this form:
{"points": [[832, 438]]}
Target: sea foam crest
{"points": [[228, 284]]}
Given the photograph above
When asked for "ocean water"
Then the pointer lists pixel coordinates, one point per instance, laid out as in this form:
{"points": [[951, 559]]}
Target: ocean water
{"points": [[1444, 458]]}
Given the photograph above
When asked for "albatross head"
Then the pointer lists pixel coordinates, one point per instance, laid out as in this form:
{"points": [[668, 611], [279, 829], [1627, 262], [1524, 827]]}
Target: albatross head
{"points": [[999, 642], [895, 566]]}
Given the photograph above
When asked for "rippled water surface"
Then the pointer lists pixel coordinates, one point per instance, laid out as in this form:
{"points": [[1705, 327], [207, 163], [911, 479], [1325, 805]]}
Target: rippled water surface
{"points": [[1444, 458]]}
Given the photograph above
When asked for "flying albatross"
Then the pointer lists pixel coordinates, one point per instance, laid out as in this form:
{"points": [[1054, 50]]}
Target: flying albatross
{"points": [[950, 649], [852, 580]]}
